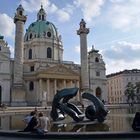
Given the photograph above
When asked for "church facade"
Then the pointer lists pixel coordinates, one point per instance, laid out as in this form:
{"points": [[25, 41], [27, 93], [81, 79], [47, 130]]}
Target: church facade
{"points": [[38, 70]]}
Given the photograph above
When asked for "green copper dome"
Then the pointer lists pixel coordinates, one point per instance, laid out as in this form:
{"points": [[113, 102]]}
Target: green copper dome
{"points": [[41, 28]]}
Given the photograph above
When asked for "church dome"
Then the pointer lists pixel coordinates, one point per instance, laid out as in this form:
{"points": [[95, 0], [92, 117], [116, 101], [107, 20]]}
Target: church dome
{"points": [[41, 28]]}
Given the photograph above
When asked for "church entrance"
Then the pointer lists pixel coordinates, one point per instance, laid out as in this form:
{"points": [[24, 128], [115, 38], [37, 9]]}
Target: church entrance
{"points": [[98, 92]]}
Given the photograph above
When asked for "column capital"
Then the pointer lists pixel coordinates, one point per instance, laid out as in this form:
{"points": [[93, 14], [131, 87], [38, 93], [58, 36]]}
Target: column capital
{"points": [[82, 29]]}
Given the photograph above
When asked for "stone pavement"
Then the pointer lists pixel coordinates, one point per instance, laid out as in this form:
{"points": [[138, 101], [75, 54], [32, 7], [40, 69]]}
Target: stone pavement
{"points": [[11, 135]]}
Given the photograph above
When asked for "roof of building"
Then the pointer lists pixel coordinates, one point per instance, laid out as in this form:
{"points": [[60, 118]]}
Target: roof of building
{"points": [[124, 72]]}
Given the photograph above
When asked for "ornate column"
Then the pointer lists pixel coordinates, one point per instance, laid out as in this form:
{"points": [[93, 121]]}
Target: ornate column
{"points": [[83, 31], [18, 95], [19, 20]]}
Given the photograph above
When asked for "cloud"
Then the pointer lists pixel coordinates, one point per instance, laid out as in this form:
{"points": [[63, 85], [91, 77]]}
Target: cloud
{"points": [[119, 65], [63, 14], [123, 50], [7, 26], [90, 8], [124, 14], [11, 50], [34, 5], [77, 49], [122, 55]]}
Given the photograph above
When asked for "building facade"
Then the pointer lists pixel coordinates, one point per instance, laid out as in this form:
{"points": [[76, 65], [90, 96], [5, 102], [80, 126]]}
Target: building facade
{"points": [[97, 75], [117, 83], [39, 69], [5, 73]]}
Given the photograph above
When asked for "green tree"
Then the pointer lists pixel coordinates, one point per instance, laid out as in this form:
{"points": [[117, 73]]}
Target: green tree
{"points": [[130, 93], [138, 91]]}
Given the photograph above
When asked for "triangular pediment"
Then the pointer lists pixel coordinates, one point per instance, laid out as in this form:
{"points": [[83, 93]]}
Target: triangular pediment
{"points": [[60, 69]]}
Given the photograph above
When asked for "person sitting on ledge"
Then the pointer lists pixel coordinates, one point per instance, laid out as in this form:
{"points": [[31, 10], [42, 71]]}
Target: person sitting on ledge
{"points": [[136, 122], [32, 123], [43, 122]]}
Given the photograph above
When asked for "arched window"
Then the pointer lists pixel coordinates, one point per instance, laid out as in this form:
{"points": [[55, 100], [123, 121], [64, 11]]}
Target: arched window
{"points": [[30, 54], [42, 17], [98, 92], [31, 36], [96, 59], [39, 17], [27, 38], [0, 94], [31, 86], [49, 53], [20, 12]]}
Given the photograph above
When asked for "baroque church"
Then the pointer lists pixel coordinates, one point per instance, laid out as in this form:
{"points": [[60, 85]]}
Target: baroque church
{"points": [[38, 70]]}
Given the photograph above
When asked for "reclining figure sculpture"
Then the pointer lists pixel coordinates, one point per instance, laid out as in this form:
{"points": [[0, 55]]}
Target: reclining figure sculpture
{"points": [[95, 111], [61, 106]]}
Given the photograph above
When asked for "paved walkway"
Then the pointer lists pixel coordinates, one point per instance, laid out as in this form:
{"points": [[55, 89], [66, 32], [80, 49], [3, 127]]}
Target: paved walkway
{"points": [[12, 135]]}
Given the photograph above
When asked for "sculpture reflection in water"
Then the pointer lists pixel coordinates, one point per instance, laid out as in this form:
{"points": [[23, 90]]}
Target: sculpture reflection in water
{"points": [[79, 127], [62, 107]]}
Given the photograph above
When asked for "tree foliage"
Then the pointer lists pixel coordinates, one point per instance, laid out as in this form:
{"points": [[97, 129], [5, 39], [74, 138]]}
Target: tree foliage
{"points": [[132, 92]]}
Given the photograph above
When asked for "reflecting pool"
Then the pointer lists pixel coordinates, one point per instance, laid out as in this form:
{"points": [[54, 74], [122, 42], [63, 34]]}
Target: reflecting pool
{"points": [[117, 120]]}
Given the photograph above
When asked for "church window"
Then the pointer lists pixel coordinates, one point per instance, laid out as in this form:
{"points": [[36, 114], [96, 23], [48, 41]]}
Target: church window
{"points": [[49, 34], [27, 38], [20, 12], [31, 86], [32, 68], [31, 36], [96, 59], [39, 17], [30, 54], [42, 17], [49, 53], [97, 73]]}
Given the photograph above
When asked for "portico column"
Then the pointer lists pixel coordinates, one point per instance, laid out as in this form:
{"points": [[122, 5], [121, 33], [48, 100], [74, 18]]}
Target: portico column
{"points": [[77, 84], [55, 86], [40, 90], [64, 82], [71, 83], [48, 89]]}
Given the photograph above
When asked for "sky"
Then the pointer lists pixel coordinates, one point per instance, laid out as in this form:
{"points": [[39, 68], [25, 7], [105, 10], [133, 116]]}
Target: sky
{"points": [[114, 27]]}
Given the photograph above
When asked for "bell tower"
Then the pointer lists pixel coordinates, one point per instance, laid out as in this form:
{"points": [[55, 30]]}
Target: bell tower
{"points": [[83, 31], [18, 92]]}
